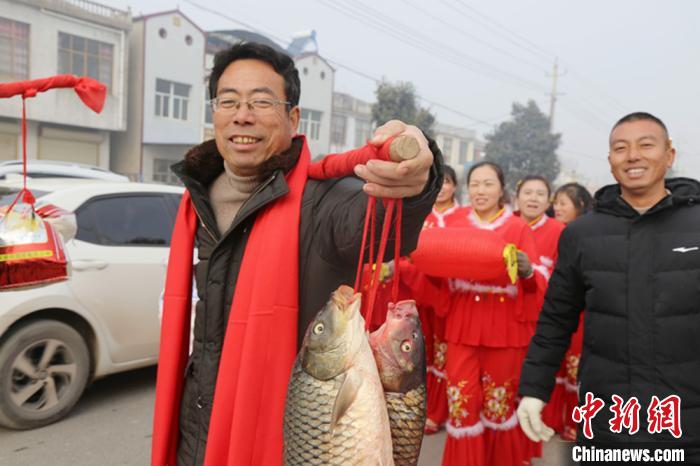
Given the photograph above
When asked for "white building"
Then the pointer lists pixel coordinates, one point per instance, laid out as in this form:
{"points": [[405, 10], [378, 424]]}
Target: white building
{"points": [[351, 124], [460, 147], [43, 38], [166, 99], [316, 102]]}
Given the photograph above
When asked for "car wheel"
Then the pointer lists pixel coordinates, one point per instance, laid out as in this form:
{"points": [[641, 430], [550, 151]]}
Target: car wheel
{"points": [[44, 368]]}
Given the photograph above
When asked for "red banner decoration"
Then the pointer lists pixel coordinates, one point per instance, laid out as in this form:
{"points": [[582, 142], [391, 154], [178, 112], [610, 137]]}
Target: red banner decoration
{"points": [[90, 91]]}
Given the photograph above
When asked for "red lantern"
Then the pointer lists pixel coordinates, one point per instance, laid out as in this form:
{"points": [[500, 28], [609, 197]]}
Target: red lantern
{"points": [[470, 253]]}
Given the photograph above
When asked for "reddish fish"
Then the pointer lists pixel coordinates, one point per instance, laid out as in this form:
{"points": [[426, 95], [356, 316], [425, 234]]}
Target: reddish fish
{"points": [[399, 352]]}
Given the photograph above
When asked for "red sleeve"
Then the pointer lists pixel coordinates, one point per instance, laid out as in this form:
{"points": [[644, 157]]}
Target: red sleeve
{"points": [[532, 289]]}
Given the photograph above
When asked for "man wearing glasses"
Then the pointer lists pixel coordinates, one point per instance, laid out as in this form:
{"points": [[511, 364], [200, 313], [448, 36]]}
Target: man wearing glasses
{"points": [[271, 247]]}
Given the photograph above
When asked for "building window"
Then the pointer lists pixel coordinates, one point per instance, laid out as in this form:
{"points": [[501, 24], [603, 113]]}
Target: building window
{"points": [[310, 123], [447, 148], [162, 172], [14, 50], [338, 127], [172, 99], [363, 131], [85, 57], [463, 150]]}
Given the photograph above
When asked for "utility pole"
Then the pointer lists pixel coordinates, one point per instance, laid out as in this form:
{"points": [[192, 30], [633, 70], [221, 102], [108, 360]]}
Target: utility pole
{"points": [[553, 95]]}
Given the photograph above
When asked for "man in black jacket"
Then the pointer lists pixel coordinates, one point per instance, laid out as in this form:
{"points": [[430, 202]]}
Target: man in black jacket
{"points": [[232, 179], [633, 264]]}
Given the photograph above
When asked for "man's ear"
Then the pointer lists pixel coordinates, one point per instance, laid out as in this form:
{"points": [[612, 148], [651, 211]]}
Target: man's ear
{"points": [[294, 116], [671, 151]]}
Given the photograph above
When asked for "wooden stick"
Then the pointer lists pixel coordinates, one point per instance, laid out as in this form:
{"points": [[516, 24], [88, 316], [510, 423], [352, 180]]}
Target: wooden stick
{"points": [[403, 148]]}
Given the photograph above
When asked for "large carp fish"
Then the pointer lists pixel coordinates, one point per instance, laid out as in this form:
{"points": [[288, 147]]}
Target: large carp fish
{"points": [[335, 411], [399, 352]]}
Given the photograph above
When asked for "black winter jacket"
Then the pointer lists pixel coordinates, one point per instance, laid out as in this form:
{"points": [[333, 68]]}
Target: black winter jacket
{"points": [[638, 279], [330, 236]]}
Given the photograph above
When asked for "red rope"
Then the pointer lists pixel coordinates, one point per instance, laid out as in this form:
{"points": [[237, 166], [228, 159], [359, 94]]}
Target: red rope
{"points": [[339, 165], [397, 251], [374, 283], [369, 212]]}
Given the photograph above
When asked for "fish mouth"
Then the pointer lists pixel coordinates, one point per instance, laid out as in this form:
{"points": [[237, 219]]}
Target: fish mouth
{"points": [[344, 297]]}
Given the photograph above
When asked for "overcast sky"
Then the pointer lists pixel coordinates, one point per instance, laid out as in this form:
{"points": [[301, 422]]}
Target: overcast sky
{"points": [[477, 57]]}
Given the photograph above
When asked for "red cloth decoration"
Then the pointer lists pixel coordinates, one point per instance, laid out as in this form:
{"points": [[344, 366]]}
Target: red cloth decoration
{"points": [[90, 91], [339, 165], [470, 253]]}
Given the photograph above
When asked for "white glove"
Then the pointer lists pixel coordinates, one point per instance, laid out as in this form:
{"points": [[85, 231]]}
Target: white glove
{"points": [[530, 417]]}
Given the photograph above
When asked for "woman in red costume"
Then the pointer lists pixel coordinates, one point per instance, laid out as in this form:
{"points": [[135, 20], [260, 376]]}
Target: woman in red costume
{"points": [[488, 328], [445, 211], [533, 199], [570, 202]]}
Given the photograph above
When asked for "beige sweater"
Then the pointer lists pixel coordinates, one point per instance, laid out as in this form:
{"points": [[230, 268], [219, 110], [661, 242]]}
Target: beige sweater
{"points": [[227, 194]]}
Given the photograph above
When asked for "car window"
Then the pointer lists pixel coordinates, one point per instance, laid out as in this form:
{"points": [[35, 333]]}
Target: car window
{"points": [[125, 220]]}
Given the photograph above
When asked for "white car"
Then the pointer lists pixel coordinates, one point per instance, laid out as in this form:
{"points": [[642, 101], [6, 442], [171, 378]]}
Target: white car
{"points": [[57, 169], [54, 339]]}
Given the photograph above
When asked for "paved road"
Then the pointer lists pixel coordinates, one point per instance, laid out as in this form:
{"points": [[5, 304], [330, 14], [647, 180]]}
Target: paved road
{"points": [[111, 426]]}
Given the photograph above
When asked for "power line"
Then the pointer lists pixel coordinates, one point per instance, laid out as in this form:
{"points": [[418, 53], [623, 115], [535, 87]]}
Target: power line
{"points": [[336, 63], [519, 40], [418, 40], [471, 36]]}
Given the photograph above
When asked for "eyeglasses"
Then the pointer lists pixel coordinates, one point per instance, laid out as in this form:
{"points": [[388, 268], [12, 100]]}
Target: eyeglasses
{"points": [[257, 106]]}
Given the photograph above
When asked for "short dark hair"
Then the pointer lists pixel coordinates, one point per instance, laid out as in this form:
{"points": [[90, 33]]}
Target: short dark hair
{"points": [[450, 174], [533, 178], [579, 196], [639, 116], [280, 62], [505, 198]]}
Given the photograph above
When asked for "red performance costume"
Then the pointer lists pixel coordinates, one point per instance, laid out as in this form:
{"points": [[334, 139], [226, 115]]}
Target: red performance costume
{"points": [[488, 328], [434, 331]]}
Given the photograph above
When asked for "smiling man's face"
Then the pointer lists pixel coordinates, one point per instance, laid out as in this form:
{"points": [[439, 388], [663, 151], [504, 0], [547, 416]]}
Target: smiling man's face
{"points": [[640, 155], [248, 138]]}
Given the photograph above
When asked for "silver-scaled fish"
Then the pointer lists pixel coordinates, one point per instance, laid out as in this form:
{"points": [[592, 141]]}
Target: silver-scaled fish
{"points": [[335, 411]]}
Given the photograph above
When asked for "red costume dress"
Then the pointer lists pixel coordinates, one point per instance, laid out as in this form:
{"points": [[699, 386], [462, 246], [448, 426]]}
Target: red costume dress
{"points": [[488, 328], [434, 330]]}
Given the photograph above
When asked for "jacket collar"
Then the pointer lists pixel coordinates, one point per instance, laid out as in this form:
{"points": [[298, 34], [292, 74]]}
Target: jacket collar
{"points": [[203, 164], [684, 191]]}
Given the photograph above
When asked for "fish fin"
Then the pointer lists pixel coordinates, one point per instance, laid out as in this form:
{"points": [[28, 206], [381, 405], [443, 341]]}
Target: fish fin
{"points": [[345, 397]]}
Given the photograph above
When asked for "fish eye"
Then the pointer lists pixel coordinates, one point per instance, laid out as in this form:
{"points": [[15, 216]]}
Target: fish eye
{"points": [[319, 328], [406, 346]]}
